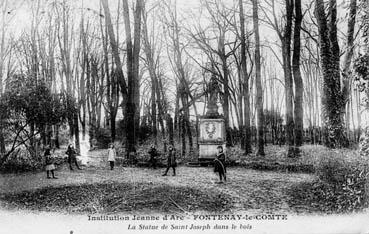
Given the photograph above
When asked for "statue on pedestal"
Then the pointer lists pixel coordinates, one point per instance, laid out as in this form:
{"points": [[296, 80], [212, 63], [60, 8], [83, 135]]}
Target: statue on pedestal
{"points": [[213, 90], [211, 125]]}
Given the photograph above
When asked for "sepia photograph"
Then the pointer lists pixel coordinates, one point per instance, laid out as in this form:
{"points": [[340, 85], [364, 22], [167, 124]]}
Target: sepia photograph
{"points": [[184, 116]]}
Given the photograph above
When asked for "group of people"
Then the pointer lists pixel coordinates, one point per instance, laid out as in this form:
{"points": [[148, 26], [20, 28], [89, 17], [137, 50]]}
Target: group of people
{"points": [[171, 159], [50, 161], [219, 161]]}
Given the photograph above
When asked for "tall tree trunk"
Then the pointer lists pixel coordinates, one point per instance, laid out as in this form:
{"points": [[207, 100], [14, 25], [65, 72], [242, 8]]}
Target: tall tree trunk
{"points": [[333, 98], [148, 48], [2, 57], [170, 129], [159, 97], [109, 83], [76, 133], [56, 136], [133, 72], [2, 138], [346, 77], [288, 84], [153, 110], [240, 116], [136, 62], [82, 82], [176, 112], [299, 89], [183, 132], [246, 89], [223, 58], [186, 119], [32, 139], [259, 91], [115, 48], [358, 113], [90, 103], [93, 95], [118, 63]]}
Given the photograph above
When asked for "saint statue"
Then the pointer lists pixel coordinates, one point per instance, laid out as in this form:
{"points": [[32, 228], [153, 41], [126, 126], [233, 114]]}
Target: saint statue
{"points": [[213, 91]]}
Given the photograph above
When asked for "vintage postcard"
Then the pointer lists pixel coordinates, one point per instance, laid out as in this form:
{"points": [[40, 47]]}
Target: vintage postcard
{"points": [[174, 116]]}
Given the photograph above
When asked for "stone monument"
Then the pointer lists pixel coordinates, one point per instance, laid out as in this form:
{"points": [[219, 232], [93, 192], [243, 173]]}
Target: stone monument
{"points": [[212, 130]]}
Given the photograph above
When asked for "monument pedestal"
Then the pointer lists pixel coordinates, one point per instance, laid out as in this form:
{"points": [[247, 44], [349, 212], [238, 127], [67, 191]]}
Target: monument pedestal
{"points": [[212, 127], [212, 134]]}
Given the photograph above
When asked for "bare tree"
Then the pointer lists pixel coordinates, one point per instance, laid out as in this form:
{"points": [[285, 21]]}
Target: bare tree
{"points": [[299, 88], [152, 50], [259, 90], [246, 89], [3, 52], [133, 50], [115, 50]]}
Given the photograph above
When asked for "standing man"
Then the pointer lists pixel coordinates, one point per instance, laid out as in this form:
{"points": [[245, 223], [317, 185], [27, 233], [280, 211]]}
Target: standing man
{"points": [[71, 152], [219, 164], [172, 161]]}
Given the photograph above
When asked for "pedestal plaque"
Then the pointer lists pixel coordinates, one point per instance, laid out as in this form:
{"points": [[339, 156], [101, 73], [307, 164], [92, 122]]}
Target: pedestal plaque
{"points": [[212, 134]]}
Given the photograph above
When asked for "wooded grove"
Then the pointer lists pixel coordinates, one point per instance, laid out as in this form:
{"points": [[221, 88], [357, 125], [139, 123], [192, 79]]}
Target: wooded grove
{"points": [[289, 72]]}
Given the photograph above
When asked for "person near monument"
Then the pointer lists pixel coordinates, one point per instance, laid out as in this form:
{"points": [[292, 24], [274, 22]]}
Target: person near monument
{"points": [[71, 152], [172, 161], [153, 156], [111, 155], [219, 164]]}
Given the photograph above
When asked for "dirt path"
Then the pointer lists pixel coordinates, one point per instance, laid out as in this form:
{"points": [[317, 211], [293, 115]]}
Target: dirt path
{"points": [[246, 187]]}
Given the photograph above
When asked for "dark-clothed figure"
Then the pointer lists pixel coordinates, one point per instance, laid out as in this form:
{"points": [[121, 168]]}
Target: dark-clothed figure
{"points": [[50, 167], [153, 156], [71, 152], [219, 164], [172, 161]]}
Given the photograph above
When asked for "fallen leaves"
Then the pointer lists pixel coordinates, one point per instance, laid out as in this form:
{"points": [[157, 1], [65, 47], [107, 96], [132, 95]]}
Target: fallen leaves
{"points": [[117, 197]]}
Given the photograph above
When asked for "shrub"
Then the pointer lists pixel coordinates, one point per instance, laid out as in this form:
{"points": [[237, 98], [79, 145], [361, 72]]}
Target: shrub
{"points": [[144, 133], [332, 170], [346, 183], [340, 187], [103, 138], [22, 161]]}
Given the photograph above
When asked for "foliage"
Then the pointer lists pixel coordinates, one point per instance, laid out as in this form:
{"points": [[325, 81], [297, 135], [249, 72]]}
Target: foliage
{"points": [[342, 181], [361, 71], [272, 118], [27, 107], [364, 7], [144, 133], [35, 103], [361, 64], [276, 158], [22, 161], [118, 197], [103, 137], [364, 144], [341, 187], [361, 67]]}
